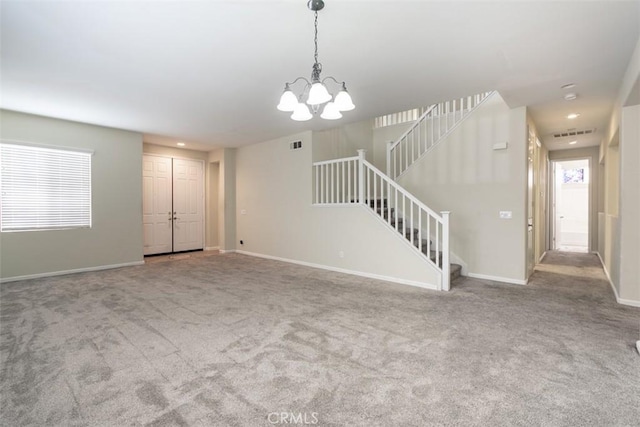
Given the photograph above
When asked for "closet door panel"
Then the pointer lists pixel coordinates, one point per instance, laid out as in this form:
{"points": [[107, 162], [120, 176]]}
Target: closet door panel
{"points": [[188, 205], [157, 204]]}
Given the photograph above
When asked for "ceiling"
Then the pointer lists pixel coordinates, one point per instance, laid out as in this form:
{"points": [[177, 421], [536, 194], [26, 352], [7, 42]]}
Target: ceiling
{"points": [[211, 73]]}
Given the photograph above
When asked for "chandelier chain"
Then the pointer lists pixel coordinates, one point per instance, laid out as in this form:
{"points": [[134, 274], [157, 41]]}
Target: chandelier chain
{"points": [[315, 37]]}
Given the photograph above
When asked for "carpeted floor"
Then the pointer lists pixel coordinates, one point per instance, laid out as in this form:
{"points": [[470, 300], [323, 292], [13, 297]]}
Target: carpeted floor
{"points": [[239, 341]]}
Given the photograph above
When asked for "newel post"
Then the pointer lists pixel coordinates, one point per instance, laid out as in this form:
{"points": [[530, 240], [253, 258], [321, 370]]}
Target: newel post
{"points": [[361, 158], [446, 266]]}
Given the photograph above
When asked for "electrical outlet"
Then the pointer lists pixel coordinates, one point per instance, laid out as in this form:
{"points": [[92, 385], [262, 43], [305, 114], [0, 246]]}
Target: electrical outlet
{"points": [[506, 214], [341, 254]]}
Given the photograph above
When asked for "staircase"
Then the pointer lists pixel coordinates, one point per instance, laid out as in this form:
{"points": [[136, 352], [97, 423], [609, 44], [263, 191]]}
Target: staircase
{"points": [[384, 210], [355, 181]]}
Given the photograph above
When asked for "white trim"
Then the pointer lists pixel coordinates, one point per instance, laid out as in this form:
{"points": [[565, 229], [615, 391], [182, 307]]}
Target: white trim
{"points": [[227, 251], [64, 272], [212, 248], [498, 279], [630, 302], [544, 254], [48, 146], [345, 271]]}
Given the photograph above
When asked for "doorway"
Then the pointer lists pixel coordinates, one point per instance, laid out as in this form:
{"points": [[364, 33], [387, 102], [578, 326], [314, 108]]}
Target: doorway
{"points": [[173, 204], [570, 216]]}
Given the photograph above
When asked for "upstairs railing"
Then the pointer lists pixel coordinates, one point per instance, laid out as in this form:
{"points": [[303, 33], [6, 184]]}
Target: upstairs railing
{"points": [[436, 123], [354, 180]]}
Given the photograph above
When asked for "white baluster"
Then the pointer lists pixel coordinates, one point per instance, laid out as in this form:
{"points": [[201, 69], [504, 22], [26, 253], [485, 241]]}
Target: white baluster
{"points": [[428, 235], [389, 144], [419, 229], [446, 273], [361, 175], [316, 169], [411, 227]]}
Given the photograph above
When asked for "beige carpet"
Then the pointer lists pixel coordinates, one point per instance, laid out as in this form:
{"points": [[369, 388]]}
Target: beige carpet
{"points": [[233, 340]]}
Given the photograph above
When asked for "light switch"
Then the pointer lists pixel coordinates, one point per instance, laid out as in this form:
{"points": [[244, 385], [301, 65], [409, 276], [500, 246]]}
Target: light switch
{"points": [[243, 212], [505, 214]]}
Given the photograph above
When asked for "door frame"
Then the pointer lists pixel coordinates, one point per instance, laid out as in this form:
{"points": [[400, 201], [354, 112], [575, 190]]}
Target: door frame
{"points": [[552, 200]]}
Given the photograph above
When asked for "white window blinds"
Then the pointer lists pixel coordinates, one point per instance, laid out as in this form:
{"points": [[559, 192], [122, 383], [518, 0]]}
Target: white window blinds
{"points": [[44, 188]]}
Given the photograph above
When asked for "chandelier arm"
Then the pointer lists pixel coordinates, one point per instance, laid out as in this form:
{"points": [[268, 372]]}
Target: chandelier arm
{"points": [[334, 79], [298, 79]]}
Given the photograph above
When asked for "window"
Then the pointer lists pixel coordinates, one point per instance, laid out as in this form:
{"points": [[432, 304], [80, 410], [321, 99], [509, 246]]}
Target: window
{"points": [[44, 188]]}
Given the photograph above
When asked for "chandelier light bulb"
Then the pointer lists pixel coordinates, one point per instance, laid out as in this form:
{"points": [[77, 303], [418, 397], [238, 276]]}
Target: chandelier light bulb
{"points": [[343, 100], [301, 113], [318, 94], [331, 112], [288, 100]]}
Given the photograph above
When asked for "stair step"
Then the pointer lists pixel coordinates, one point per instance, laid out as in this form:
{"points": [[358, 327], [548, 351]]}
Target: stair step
{"points": [[455, 271], [377, 202], [385, 211], [425, 242]]}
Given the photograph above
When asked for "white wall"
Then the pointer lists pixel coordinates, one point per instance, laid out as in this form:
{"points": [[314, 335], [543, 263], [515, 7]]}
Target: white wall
{"points": [[115, 237], [464, 175], [275, 218], [343, 141], [629, 285], [621, 153], [223, 161]]}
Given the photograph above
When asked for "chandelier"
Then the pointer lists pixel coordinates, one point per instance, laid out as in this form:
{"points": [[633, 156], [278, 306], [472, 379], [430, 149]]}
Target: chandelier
{"points": [[315, 91]]}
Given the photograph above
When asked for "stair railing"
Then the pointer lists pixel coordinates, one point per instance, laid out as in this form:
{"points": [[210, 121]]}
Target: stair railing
{"points": [[431, 127], [354, 180]]}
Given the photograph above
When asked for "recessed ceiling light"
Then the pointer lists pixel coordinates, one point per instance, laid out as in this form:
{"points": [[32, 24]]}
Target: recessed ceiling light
{"points": [[570, 96], [573, 142], [573, 116], [180, 144], [568, 86]]}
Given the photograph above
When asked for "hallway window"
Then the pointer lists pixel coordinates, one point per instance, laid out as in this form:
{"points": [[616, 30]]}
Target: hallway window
{"points": [[573, 176], [44, 188]]}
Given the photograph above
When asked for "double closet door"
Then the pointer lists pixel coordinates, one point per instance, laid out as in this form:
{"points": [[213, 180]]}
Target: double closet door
{"points": [[173, 204]]}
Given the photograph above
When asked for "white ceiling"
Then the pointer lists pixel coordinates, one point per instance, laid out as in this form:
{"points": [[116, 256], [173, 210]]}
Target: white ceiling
{"points": [[211, 72]]}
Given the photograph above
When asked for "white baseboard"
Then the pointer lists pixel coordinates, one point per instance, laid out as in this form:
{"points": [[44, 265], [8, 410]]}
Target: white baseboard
{"points": [[630, 302], [544, 254], [212, 248], [227, 251], [497, 279], [65, 272], [345, 271]]}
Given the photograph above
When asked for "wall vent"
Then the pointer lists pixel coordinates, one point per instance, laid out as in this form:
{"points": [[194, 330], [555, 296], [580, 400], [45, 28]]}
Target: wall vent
{"points": [[574, 132], [295, 145]]}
